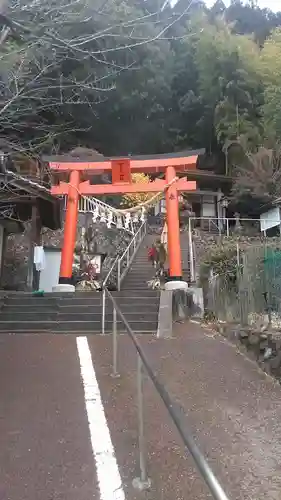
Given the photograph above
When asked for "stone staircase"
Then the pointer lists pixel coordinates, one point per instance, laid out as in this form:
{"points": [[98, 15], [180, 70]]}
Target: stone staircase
{"points": [[142, 302], [81, 312]]}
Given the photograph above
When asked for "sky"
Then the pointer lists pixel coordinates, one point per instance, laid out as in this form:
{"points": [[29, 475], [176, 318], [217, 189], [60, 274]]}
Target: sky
{"points": [[274, 5]]}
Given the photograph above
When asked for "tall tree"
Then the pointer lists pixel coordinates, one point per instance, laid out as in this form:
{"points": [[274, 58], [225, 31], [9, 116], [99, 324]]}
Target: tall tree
{"points": [[248, 18], [271, 76], [228, 82]]}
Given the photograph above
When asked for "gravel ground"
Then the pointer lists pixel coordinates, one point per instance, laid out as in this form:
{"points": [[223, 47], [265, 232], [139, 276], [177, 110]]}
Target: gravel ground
{"points": [[232, 408]]}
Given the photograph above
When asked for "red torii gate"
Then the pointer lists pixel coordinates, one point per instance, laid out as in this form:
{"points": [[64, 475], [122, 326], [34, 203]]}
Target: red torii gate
{"points": [[121, 170]]}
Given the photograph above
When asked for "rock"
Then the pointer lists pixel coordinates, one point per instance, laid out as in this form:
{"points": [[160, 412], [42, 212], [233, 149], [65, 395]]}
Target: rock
{"points": [[244, 334], [267, 368], [222, 329], [268, 353], [278, 344], [275, 362], [232, 334], [263, 345], [254, 339], [89, 286]]}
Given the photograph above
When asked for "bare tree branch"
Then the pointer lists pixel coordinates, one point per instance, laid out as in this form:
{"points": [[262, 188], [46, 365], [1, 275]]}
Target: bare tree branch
{"points": [[57, 55]]}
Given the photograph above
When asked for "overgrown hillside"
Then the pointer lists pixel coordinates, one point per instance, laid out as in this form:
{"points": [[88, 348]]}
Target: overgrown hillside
{"points": [[140, 77]]}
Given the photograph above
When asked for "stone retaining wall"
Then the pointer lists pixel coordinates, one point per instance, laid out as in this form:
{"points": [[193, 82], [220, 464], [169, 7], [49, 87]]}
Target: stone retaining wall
{"points": [[105, 241], [263, 346]]}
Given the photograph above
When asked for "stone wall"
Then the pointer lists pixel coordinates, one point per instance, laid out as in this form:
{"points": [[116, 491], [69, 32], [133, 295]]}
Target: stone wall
{"points": [[15, 260], [261, 345]]}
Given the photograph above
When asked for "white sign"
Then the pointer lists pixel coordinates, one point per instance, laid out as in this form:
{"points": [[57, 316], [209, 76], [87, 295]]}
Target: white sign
{"points": [[96, 263], [270, 219]]}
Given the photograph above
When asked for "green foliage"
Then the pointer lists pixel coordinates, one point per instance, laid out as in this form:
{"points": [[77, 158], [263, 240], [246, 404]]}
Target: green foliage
{"points": [[270, 70], [128, 77], [229, 84], [248, 18], [222, 260]]}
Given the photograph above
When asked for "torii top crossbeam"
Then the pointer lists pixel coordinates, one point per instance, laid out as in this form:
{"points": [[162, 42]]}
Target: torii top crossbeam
{"points": [[121, 169]]}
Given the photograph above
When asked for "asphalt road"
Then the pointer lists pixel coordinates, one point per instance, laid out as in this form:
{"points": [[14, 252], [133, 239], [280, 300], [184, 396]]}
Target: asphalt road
{"points": [[53, 441], [44, 438]]}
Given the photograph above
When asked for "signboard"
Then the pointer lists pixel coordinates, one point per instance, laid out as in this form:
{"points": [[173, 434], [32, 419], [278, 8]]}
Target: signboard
{"points": [[96, 263], [270, 219], [121, 171]]}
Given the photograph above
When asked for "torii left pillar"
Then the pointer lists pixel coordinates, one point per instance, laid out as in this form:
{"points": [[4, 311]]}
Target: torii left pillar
{"points": [[173, 226], [70, 229]]}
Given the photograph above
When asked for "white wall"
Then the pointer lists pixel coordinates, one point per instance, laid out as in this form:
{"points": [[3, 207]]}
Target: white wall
{"points": [[160, 207], [270, 219], [49, 277], [208, 206]]}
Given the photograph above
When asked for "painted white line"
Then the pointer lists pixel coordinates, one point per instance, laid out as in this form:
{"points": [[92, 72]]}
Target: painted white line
{"points": [[109, 479]]}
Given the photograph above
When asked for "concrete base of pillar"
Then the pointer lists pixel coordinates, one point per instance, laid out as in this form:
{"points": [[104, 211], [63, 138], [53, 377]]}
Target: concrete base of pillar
{"points": [[176, 285], [63, 287], [179, 290]]}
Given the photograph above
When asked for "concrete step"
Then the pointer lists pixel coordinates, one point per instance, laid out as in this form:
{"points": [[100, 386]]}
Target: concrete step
{"points": [[139, 277], [31, 316], [136, 273], [78, 316], [147, 292], [125, 306], [73, 326], [135, 289], [140, 283], [35, 301], [141, 270], [18, 309], [144, 261], [50, 300]]}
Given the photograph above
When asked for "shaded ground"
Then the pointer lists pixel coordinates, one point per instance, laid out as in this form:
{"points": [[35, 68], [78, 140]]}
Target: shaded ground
{"points": [[233, 409]]}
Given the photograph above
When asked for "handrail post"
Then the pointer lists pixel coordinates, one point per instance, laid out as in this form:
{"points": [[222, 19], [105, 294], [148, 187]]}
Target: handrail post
{"points": [[142, 482], [103, 312], [118, 275], [115, 373], [191, 256]]}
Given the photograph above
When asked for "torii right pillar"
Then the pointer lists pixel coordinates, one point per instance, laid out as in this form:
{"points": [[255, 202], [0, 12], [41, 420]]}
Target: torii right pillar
{"points": [[173, 227]]}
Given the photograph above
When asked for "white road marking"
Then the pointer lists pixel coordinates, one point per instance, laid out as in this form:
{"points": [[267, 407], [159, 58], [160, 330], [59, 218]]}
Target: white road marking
{"points": [[108, 475]]}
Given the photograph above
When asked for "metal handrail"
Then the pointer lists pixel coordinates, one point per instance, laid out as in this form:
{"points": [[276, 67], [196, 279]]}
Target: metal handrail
{"points": [[186, 435], [134, 246], [133, 239], [109, 272], [103, 293]]}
